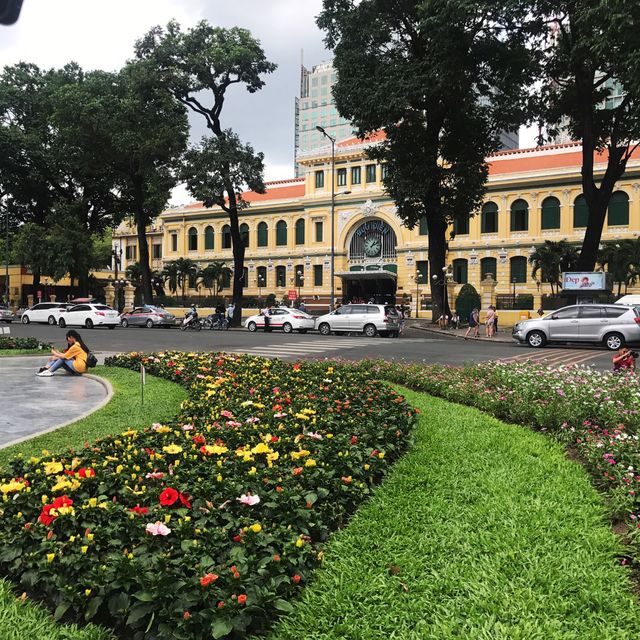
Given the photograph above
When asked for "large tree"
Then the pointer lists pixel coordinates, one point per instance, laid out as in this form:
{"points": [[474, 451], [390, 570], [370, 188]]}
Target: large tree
{"points": [[442, 78], [200, 65], [590, 86], [141, 131]]}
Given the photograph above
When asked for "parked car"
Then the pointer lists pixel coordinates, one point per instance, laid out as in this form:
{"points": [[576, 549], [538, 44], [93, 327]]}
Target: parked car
{"points": [[148, 316], [48, 312], [370, 319], [611, 325], [89, 316], [6, 315], [283, 318]]}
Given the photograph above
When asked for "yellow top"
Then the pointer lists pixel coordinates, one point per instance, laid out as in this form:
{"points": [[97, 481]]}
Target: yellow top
{"points": [[79, 356]]}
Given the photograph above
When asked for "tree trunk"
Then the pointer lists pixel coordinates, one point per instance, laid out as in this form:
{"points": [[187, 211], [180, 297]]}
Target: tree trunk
{"points": [[437, 256], [141, 228], [238, 256]]}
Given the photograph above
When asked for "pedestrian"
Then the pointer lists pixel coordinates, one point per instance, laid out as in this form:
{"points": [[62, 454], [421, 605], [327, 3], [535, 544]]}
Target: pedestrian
{"points": [[495, 320], [624, 360], [400, 311], [474, 323], [455, 320], [230, 309], [540, 312], [302, 307], [73, 359], [489, 322], [266, 313]]}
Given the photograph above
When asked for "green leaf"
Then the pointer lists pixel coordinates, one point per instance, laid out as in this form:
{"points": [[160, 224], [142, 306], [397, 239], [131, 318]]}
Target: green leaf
{"points": [[92, 608], [311, 498], [61, 609], [143, 596], [283, 605], [221, 628], [139, 612]]}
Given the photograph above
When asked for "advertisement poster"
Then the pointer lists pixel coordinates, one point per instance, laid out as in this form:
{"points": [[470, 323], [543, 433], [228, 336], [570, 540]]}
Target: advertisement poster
{"points": [[585, 281]]}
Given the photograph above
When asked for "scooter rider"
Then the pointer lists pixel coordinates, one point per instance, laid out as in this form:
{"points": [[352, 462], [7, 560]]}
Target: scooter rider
{"points": [[191, 316]]}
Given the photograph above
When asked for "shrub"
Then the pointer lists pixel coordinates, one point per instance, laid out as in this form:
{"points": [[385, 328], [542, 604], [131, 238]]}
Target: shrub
{"points": [[9, 342], [205, 525], [468, 299]]}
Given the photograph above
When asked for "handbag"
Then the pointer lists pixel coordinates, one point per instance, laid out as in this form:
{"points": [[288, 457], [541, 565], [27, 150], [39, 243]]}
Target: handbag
{"points": [[92, 361]]}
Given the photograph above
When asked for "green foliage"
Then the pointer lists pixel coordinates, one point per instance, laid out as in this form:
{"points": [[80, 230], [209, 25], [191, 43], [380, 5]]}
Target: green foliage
{"points": [[550, 260], [11, 342], [242, 529], [483, 530], [212, 276], [621, 258], [468, 299]]}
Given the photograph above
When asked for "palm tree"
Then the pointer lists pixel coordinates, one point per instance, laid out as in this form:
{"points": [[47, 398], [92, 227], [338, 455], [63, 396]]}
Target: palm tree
{"points": [[622, 260], [133, 273], [551, 259], [157, 282], [171, 276], [211, 277], [187, 268]]}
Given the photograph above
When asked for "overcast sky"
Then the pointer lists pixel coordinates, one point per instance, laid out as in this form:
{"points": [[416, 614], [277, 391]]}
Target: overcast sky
{"points": [[100, 35]]}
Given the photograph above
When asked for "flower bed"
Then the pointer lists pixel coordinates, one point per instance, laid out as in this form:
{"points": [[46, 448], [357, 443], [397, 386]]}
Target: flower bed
{"points": [[9, 342], [597, 414], [209, 524]]}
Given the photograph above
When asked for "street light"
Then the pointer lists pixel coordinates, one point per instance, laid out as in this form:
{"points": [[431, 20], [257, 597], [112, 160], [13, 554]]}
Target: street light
{"points": [[513, 303], [116, 252], [333, 210], [300, 280], [118, 284], [418, 278], [260, 285], [6, 259]]}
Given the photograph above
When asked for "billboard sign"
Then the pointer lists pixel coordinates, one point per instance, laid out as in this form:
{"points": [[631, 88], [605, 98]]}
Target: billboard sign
{"points": [[586, 281]]}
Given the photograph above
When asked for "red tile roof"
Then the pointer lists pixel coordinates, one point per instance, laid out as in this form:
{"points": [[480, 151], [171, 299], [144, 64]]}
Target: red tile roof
{"points": [[377, 136]]}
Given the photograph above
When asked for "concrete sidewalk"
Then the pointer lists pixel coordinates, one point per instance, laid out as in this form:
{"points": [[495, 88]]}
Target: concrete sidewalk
{"points": [[33, 405], [503, 335]]}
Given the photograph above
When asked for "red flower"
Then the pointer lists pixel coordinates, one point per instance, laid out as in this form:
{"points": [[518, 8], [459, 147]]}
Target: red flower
{"points": [[237, 538], [86, 473], [139, 510], [199, 439], [45, 518], [168, 497], [207, 579], [242, 599], [62, 501], [297, 471], [354, 439], [220, 604], [186, 615], [276, 557], [296, 367], [184, 499], [295, 578]]}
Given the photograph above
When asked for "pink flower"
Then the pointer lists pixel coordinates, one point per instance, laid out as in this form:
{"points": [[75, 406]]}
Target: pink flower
{"points": [[158, 529], [248, 499], [156, 425], [155, 475], [187, 427], [226, 414], [314, 436]]}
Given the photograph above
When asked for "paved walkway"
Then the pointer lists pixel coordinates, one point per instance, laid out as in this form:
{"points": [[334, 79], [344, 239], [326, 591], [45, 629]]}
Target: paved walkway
{"points": [[503, 335], [30, 405]]}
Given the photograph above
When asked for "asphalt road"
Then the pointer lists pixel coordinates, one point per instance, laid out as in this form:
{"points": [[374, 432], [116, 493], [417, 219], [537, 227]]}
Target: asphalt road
{"points": [[415, 346]]}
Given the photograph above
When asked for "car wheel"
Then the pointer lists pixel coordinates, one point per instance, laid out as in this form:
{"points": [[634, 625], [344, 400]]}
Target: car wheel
{"points": [[25, 318], [302, 331], [62, 323], [370, 331], [124, 322], [252, 326], [88, 323], [111, 326], [149, 323], [287, 328], [536, 339], [324, 329], [613, 341], [51, 320]]}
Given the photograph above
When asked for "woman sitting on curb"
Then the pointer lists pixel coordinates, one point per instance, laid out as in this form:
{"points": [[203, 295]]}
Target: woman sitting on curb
{"points": [[73, 359]]}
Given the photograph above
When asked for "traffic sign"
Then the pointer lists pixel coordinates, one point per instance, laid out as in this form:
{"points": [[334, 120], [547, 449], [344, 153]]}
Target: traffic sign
{"points": [[292, 294]]}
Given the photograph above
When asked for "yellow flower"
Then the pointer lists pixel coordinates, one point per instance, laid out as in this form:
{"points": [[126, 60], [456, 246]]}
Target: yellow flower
{"points": [[87, 592], [130, 432], [72, 538], [219, 477], [93, 502], [167, 518], [256, 528], [12, 487], [90, 536], [310, 463], [51, 557], [300, 454], [367, 467], [52, 467], [381, 455], [261, 448], [119, 468], [84, 548], [215, 449], [173, 449], [299, 542], [252, 471]]}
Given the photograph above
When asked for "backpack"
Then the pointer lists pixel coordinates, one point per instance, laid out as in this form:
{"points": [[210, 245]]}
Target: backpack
{"points": [[92, 361]]}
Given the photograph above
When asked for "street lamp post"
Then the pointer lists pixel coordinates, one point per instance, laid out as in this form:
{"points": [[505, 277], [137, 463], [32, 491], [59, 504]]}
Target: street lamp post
{"points": [[513, 294], [300, 280], [418, 279], [118, 284], [260, 285], [333, 211], [6, 259]]}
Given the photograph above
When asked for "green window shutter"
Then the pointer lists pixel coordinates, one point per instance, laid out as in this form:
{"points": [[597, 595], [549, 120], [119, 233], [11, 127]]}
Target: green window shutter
{"points": [[422, 268], [300, 231], [208, 239], [489, 218], [519, 216], [319, 179], [461, 226], [618, 213], [550, 214], [356, 175], [281, 276], [460, 271], [244, 234], [193, 239], [281, 233], [488, 266], [317, 275], [580, 212], [263, 235], [518, 269], [423, 227], [342, 177], [319, 231], [226, 237]]}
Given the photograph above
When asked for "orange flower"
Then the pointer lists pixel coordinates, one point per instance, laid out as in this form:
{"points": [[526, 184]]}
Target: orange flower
{"points": [[242, 599], [207, 579]]}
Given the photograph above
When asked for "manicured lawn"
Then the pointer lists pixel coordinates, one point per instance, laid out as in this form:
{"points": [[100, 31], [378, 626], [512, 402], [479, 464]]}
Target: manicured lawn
{"points": [[483, 531], [22, 352], [125, 411], [20, 620]]}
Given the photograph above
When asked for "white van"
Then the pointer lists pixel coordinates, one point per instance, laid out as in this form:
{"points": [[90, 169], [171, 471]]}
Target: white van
{"points": [[630, 300]]}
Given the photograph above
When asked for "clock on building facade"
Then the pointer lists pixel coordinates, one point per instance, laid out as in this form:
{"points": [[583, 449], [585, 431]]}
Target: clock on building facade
{"points": [[372, 246]]}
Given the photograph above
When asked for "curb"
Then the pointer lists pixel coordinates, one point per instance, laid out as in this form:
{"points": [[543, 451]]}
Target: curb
{"points": [[454, 336], [108, 388]]}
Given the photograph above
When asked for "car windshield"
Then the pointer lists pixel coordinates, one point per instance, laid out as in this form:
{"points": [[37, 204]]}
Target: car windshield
{"points": [[391, 311], [297, 312]]}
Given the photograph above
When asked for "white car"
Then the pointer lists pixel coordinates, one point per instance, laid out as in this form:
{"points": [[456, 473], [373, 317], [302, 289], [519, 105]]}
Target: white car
{"points": [[48, 312], [89, 316], [283, 318]]}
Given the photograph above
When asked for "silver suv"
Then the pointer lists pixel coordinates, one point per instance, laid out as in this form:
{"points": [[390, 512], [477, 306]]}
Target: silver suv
{"points": [[612, 325], [369, 319]]}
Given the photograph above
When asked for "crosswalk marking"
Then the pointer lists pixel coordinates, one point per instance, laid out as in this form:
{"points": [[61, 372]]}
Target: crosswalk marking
{"points": [[555, 357]]}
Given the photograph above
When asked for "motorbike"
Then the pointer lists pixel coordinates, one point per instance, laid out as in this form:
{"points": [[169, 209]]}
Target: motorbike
{"points": [[216, 323], [194, 325]]}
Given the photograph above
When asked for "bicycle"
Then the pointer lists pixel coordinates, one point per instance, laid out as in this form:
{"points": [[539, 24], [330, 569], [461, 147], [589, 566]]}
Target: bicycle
{"points": [[216, 324]]}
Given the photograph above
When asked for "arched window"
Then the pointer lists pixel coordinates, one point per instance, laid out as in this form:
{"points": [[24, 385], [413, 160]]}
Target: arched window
{"points": [[519, 215], [300, 231], [489, 218], [518, 269], [550, 214], [281, 233], [580, 212], [618, 213], [461, 226], [261, 276], [460, 271], [488, 266], [208, 238], [225, 282], [281, 276], [263, 234], [244, 234], [192, 235], [226, 237]]}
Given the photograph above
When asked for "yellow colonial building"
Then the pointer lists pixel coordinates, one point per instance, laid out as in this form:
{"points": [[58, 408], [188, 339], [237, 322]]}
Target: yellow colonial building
{"points": [[533, 195]]}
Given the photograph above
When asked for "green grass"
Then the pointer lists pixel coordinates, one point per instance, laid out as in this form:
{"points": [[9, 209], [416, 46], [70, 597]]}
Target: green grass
{"points": [[124, 411], [22, 352], [20, 620], [483, 531]]}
